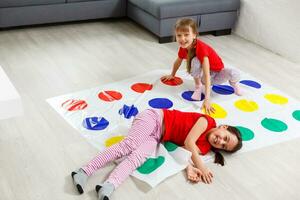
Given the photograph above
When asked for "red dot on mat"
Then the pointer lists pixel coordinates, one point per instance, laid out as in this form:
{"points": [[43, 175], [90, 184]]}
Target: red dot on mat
{"points": [[73, 105], [110, 95], [141, 87], [174, 82]]}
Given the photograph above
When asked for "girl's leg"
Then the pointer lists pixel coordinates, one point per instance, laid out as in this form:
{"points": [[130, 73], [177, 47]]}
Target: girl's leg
{"points": [[116, 151], [228, 74], [196, 73], [144, 125], [126, 167]]}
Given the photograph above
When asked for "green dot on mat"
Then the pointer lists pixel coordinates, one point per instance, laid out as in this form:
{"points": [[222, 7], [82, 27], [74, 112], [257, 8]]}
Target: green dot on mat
{"points": [[274, 125], [296, 115], [151, 165], [246, 133], [170, 146]]}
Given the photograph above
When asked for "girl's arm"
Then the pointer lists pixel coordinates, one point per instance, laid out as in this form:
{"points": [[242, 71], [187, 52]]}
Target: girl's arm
{"points": [[190, 144], [206, 73], [176, 66]]}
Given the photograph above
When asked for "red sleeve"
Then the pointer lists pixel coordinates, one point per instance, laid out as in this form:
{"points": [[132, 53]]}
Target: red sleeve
{"points": [[201, 52], [202, 142], [211, 123], [204, 147], [182, 53]]}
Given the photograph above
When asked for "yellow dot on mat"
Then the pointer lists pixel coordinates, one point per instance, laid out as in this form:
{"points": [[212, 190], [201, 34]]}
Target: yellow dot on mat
{"points": [[219, 111], [246, 105], [276, 99], [113, 140]]}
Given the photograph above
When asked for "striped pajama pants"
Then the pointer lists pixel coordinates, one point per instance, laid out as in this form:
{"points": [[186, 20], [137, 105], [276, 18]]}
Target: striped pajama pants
{"points": [[140, 143]]}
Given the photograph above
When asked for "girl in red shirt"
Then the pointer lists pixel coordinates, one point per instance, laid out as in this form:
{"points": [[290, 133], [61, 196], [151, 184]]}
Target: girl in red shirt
{"points": [[203, 63], [196, 132]]}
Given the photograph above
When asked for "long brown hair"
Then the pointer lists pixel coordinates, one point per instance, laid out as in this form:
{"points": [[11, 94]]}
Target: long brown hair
{"points": [[183, 25], [219, 159]]}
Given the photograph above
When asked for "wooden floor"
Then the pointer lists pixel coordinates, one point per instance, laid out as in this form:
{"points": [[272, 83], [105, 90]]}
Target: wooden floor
{"points": [[39, 150]]}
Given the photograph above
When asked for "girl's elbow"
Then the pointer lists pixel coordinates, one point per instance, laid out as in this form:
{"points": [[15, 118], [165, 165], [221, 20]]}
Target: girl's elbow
{"points": [[189, 144]]}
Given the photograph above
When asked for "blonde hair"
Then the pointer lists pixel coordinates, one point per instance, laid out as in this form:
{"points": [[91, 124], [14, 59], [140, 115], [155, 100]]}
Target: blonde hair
{"points": [[184, 25]]}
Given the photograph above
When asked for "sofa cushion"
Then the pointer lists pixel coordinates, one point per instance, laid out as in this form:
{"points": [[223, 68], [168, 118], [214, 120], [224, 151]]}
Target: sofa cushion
{"points": [[72, 1], [15, 3], [177, 8]]}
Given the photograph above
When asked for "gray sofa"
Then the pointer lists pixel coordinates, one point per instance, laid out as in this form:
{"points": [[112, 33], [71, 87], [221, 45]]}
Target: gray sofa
{"points": [[158, 16], [28, 12]]}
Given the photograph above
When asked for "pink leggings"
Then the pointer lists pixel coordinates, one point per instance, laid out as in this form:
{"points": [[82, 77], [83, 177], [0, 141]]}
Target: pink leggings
{"points": [[143, 137]]}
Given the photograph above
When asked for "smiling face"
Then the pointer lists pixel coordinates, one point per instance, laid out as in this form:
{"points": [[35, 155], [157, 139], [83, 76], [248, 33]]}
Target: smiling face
{"points": [[185, 37], [221, 138]]}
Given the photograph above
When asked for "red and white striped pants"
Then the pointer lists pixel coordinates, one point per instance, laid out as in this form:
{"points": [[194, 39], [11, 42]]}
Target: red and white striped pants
{"points": [[141, 141]]}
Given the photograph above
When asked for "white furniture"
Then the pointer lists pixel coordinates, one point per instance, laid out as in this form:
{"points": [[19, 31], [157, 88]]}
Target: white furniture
{"points": [[10, 100]]}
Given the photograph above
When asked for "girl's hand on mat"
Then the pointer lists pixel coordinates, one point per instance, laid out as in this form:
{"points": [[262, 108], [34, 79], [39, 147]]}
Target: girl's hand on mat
{"points": [[193, 174], [206, 176], [167, 77], [207, 107]]}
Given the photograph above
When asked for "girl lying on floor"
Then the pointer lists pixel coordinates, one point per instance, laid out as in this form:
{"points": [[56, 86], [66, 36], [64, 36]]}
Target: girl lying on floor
{"points": [[196, 132]]}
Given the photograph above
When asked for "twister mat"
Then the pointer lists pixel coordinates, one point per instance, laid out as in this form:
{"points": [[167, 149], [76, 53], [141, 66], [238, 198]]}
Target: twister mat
{"points": [[103, 115]]}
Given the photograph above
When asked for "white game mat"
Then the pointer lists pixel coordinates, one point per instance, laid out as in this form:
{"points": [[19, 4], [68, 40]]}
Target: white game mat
{"points": [[104, 114]]}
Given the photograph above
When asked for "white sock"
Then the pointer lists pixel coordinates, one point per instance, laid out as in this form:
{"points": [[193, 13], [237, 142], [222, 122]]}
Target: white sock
{"points": [[104, 190], [197, 93], [79, 179], [236, 87]]}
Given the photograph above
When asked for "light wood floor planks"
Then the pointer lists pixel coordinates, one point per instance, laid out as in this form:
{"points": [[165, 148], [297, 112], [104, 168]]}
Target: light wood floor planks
{"points": [[39, 150]]}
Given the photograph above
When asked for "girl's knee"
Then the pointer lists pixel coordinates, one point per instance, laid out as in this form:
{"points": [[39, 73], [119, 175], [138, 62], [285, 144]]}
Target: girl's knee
{"points": [[126, 145], [137, 159], [234, 75]]}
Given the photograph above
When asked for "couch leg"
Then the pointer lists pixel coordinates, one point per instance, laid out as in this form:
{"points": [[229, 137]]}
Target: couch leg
{"points": [[165, 39], [222, 32]]}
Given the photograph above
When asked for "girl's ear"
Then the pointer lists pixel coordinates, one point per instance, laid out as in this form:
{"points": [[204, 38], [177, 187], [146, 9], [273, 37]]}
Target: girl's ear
{"points": [[224, 126]]}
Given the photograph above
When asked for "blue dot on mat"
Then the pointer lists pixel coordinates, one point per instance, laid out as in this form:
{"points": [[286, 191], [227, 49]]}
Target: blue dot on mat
{"points": [[251, 83], [160, 103], [128, 111], [223, 89], [95, 123], [187, 96]]}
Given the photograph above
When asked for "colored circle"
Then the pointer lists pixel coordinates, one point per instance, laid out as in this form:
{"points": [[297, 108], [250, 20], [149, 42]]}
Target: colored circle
{"points": [[151, 165], [95, 123], [274, 125], [173, 82], [219, 111], [276, 99], [170, 146], [223, 89], [251, 83], [296, 115], [246, 133], [141, 87], [113, 140], [110, 95], [74, 105], [128, 111], [187, 96], [246, 105], [160, 103]]}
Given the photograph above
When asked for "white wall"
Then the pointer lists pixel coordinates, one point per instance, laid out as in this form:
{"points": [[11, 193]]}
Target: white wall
{"points": [[273, 24]]}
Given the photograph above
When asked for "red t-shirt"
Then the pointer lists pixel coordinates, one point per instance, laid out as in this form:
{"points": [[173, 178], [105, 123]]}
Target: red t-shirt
{"points": [[178, 125], [203, 50]]}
